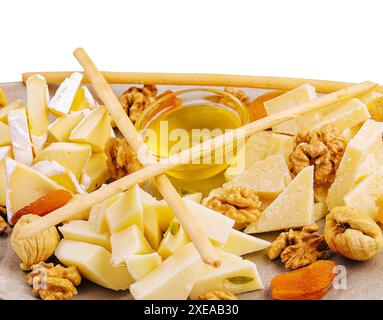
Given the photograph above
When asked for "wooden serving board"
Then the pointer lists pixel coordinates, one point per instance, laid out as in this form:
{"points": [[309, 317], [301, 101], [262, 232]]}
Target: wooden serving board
{"points": [[364, 279]]}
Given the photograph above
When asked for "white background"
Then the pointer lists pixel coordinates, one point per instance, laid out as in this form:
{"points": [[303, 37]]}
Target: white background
{"points": [[337, 40]]}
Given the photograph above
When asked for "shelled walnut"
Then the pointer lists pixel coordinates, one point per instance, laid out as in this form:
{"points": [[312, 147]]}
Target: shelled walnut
{"points": [[298, 248], [352, 234], [323, 149], [218, 295], [122, 160], [53, 282], [238, 203], [135, 100]]}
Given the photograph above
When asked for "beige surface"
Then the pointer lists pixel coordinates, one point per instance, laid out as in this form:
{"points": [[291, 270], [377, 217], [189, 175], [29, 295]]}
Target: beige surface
{"points": [[364, 279]]}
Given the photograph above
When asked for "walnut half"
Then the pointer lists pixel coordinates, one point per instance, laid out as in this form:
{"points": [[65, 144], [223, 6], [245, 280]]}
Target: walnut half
{"points": [[238, 203], [298, 248], [323, 149]]}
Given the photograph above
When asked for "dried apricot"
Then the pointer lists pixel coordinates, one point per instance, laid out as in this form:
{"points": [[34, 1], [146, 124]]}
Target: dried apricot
{"points": [[257, 109], [308, 283], [44, 205]]}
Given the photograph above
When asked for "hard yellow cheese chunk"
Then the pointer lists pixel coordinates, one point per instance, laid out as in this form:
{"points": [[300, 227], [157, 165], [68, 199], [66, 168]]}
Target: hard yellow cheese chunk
{"points": [[72, 156], [37, 106], [94, 129], [127, 242], [290, 99], [174, 238], [152, 230], [139, 265], [25, 185], [240, 243], [173, 279], [80, 230], [20, 136], [93, 262], [4, 151], [234, 275], [62, 127], [268, 177], [95, 172], [126, 211], [292, 208], [5, 136], [365, 141], [4, 111], [281, 144], [83, 100]]}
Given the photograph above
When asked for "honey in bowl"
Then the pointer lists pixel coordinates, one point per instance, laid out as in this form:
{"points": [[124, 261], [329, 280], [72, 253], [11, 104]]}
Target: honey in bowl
{"points": [[185, 118]]}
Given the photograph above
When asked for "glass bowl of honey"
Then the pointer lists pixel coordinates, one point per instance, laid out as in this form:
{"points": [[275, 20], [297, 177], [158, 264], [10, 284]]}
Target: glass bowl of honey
{"points": [[179, 120]]}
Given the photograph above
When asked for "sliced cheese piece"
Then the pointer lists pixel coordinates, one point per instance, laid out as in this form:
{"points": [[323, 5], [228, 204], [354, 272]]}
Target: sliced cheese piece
{"points": [[62, 127], [126, 211], [367, 196], [97, 215], [290, 99], [95, 172], [25, 185], [4, 111], [5, 136], [93, 129], [292, 208], [94, 264], [20, 136], [80, 230], [343, 115], [174, 238], [139, 265], [59, 174], [268, 177], [4, 152], [127, 242], [72, 156], [163, 213], [152, 228], [62, 100], [83, 100], [234, 275], [173, 279], [3, 98], [37, 106], [240, 243], [320, 211], [254, 149], [281, 144], [366, 140]]}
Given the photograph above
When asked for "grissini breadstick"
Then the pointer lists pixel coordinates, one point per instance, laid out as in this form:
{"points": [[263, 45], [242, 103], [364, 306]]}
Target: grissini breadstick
{"points": [[183, 213], [202, 79], [84, 202]]}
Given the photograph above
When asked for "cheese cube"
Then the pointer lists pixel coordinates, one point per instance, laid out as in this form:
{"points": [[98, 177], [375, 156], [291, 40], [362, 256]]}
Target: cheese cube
{"points": [[139, 265], [37, 106], [320, 211], [367, 195], [83, 100], [62, 100], [240, 243], [93, 129], [5, 136], [255, 149], [93, 262], [365, 141], [127, 242], [95, 172], [72, 156], [24, 186], [152, 228], [343, 115], [268, 177], [234, 275], [4, 152], [174, 238], [281, 144], [80, 230], [62, 127], [126, 211], [97, 215], [21, 140], [173, 279], [292, 208], [290, 99], [4, 111], [163, 213]]}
